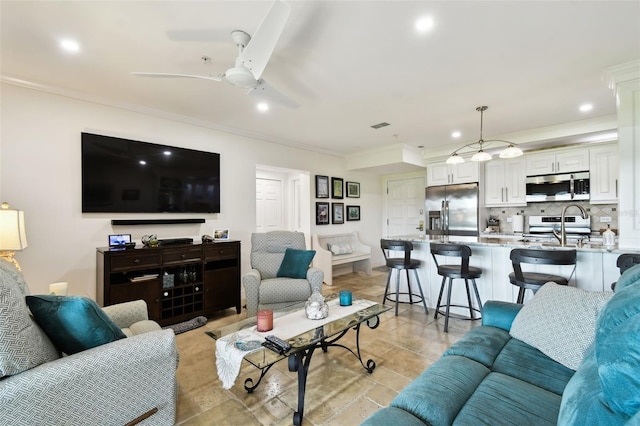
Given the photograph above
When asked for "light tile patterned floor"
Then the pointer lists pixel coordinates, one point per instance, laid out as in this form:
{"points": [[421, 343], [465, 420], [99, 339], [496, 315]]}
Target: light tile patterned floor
{"points": [[339, 390]]}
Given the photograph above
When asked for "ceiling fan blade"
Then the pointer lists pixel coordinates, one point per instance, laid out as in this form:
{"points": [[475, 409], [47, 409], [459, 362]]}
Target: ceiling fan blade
{"points": [[267, 93], [170, 75], [256, 54]]}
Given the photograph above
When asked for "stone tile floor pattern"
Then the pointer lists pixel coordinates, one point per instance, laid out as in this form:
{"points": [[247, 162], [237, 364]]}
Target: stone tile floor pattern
{"points": [[339, 390]]}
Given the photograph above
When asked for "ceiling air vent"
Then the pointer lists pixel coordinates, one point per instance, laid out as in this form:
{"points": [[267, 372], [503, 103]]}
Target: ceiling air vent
{"points": [[379, 125]]}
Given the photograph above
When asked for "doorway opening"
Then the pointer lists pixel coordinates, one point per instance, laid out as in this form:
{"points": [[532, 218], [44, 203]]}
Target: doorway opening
{"points": [[283, 200]]}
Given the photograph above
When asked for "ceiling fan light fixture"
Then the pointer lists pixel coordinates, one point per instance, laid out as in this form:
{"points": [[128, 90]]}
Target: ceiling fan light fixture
{"points": [[240, 77], [511, 151], [454, 159], [481, 156]]}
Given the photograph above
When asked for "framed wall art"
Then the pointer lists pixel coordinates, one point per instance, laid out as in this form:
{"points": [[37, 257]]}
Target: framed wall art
{"points": [[353, 189], [353, 212], [337, 213], [322, 213], [337, 185], [322, 186]]}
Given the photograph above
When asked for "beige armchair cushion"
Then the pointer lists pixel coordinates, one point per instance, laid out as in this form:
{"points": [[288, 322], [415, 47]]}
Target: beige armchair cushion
{"points": [[263, 288]]}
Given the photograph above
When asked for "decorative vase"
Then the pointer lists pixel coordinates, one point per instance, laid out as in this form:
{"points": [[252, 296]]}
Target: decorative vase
{"points": [[316, 308], [150, 240]]}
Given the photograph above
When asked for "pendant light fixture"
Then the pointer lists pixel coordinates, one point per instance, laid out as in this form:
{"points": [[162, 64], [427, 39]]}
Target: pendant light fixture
{"points": [[511, 151]]}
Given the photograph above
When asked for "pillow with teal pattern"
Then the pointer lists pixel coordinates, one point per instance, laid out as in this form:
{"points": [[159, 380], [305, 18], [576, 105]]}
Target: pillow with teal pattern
{"points": [[295, 263], [73, 323]]}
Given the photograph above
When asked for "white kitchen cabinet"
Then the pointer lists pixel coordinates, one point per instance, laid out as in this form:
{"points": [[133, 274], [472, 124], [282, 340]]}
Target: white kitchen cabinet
{"points": [[572, 160], [504, 183], [603, 169], [447, 174]]}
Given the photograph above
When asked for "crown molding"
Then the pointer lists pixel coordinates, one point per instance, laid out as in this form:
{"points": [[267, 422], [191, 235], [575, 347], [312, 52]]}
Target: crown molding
{"points": [[620, 74], [159, 113]]}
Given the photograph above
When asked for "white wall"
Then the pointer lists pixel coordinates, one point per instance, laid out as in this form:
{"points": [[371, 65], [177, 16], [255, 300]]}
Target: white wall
{"points": [[40, 174]]}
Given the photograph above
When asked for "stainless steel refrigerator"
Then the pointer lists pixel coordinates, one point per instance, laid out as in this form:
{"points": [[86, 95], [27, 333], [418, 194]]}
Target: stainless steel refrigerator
{"points": [[452, 209]]}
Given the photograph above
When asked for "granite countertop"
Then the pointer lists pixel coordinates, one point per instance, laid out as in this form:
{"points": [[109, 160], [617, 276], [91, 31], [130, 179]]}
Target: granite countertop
{"points": [[514, 241]]}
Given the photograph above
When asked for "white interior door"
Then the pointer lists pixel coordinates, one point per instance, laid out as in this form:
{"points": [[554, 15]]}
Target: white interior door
{"points": [[269, 205], [405, 206]]}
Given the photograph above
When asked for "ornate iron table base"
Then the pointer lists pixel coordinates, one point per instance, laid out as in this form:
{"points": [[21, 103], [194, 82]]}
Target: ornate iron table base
{"points": [[300, 358]]}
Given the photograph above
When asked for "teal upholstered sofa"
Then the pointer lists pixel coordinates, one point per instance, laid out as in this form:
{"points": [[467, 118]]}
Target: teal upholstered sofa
{"points": [[490, 378]]}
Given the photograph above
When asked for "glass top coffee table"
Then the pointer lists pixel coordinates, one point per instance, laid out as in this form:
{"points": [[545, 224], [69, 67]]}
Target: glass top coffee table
{"points": [[304, 344]]}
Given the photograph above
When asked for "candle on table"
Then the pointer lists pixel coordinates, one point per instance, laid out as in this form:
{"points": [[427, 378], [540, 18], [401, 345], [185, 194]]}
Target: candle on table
{"points": [[265, 320], [345, 298]]}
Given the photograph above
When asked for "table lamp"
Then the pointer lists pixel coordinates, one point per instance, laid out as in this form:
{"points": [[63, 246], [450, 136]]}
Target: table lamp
{"points": [[13, 236]]}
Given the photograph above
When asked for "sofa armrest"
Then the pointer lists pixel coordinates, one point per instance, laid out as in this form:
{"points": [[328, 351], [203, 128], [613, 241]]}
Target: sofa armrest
{"points": [[127, 313], [110, 384], [499, 314], [251, 281], [315, 276]]}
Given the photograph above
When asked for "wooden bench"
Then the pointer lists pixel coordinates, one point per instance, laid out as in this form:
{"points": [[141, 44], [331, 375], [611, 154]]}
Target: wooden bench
{"points": [[352, 253]]}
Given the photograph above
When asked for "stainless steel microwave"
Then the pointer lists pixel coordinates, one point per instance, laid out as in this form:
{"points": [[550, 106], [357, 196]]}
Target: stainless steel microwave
{"points": [[560, 187]]}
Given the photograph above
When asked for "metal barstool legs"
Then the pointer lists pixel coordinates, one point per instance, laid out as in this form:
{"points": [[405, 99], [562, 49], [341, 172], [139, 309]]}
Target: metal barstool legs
{"points": [[472, 310], [409, 291]]}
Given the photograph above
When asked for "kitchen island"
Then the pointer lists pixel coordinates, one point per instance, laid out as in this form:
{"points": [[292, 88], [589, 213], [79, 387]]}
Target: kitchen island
{"points": [[595, 269]]}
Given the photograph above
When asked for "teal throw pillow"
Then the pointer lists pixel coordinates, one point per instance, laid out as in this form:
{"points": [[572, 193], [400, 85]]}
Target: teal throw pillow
{"points": [[73, 323], [295, 263]]}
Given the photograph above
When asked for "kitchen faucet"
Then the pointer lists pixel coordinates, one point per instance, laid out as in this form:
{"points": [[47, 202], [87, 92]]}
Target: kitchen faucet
{"points": [[562, 236]]}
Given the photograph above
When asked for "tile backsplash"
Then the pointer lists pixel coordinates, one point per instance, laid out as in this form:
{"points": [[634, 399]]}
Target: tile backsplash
{"points": [[595, 211]]}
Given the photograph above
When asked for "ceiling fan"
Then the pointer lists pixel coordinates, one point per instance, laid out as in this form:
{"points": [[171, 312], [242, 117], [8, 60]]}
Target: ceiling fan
{"points": [[253, 56]]}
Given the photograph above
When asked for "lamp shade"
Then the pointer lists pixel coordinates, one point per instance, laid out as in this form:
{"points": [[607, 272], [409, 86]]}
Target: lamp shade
{"points": [[511, 152], [481, 156], [454, 159], [13, 236]]}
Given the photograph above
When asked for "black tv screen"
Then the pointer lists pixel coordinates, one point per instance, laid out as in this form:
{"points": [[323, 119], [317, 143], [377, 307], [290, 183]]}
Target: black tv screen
{"points": [[127, 176]]}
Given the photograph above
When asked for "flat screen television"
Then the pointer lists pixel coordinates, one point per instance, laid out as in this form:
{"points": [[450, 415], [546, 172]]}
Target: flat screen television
{"points": [[127, 176]]}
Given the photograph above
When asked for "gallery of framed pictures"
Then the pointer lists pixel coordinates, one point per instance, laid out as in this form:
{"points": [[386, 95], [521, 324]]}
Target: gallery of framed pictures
{"points": [[335, 213], [334, 187]]}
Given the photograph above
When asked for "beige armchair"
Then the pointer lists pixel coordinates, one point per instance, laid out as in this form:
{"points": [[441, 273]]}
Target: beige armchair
{"points": [[112, 384], [263, 288]]}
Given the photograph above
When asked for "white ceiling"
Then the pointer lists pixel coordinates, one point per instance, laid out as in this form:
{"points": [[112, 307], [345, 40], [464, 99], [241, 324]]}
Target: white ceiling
{"points": [[349, 64]]}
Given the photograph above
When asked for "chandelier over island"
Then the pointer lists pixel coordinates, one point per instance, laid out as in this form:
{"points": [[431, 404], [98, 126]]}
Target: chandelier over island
{"points": [[511, 151]]}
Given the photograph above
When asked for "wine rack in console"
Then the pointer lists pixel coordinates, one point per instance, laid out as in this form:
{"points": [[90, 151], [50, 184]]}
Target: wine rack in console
{"points": [[177, 282]]}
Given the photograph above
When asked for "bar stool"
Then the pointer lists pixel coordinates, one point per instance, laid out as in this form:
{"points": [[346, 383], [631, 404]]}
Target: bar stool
{"points": [[534, 280], [398, 264], [462, 271], [624, 262]]}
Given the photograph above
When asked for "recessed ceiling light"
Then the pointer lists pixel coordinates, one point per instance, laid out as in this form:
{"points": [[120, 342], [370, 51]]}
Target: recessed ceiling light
{"points": [[456, 134], [142, 162], [263, 107], [69, 45], [424, 24], [586, 107]]}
